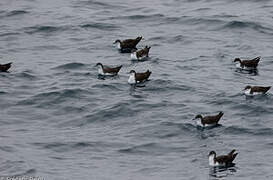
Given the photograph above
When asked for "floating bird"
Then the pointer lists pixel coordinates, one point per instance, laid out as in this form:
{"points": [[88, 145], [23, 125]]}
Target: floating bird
{"points": [[209, 120], [247, 64], [135, 78], [140, 54], [5, 67], [127, 45], [224, 160], [106, 71], [255, 90]]}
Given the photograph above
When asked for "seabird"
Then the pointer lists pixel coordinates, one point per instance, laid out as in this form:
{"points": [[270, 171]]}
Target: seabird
{"points": [[127, 45], [140, 54], [106, 71], [255, 90], [247, 64], [5, 67], [135, 78], [209, 120], [224, 160]]}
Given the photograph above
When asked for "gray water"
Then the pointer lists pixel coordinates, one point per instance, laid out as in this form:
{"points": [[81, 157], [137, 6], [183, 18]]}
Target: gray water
{"points": [[60, 121]]}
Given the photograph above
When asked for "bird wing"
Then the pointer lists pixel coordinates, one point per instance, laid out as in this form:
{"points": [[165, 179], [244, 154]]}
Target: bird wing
{"points": [[211, 119], [111, 70], [130, 43], [259, 89], [142, 76], [223, 159], [251, 63]]}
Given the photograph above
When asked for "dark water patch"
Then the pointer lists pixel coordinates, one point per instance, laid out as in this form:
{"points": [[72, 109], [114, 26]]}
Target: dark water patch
{"points": [[8, 149], [116, 111], [157, 38], [9, 34], [161, 85], [203, 21], [137, 17], [179, 39], [71, 66], [247, 25], [184, 127], [27, 75], [61, 147], [100, 26], [236, 130], [16, 13], [172, 20], [12, 168], [26, 173], [222, 172], [144, 149], [3, 92], [43, 29], [110, 87], [142, 17], [53, 98], [96, 4]]}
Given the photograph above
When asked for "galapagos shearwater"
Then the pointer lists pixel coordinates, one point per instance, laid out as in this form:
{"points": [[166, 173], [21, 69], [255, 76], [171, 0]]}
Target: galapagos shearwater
{"points": [[247, 64], [255, 90], [209, 120], [127, 45], [140, 54], [107, 71], [135, 78], [224, 160]]}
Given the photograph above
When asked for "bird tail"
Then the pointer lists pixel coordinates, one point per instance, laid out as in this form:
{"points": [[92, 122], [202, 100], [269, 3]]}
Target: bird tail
{"points": [[234, 156], [231, 152], [257, 59], [267, 88]]}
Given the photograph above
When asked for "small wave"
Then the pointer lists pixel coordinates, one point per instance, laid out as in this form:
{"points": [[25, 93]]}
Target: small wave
{"points": [[42, 29], [9, 34], [73, 65], [247, 25], [72, 146], [152, 17], [206, 21], [62, 147], [2, 92], [110, 87], [6, 148], [96, 4], [101, 26], [48, 99], [142, 17], [26, 75], [257, 132], [16, 13], [139, 149]]}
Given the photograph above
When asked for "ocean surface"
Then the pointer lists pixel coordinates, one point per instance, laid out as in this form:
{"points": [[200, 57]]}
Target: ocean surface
{"points": [[59, 121]]}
